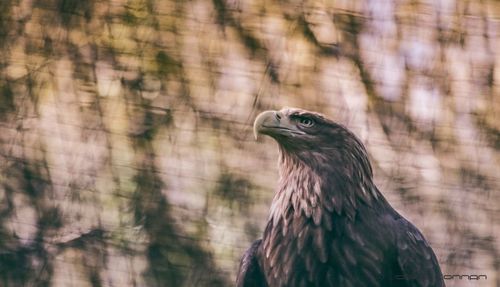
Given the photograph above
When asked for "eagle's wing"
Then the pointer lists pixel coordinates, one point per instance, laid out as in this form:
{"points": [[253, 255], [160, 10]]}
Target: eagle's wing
{"points": [[418, 263], [249, 273]]}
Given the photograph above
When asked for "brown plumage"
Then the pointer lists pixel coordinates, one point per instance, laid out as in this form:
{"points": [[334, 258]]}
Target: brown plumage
{"points": [[329, 225]]}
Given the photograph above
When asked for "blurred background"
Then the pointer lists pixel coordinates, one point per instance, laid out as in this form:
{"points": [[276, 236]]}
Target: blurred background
{"points": [[126, 150]]}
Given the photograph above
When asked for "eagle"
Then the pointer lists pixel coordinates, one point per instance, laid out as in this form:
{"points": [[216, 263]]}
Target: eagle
{"points": [[329, 225]]}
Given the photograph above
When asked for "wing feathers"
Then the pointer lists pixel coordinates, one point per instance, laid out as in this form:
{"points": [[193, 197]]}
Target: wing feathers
{"points": [[250, 273], [416, 259]]}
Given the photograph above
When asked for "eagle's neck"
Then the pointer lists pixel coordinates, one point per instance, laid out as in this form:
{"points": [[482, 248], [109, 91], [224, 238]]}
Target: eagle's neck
{"points": [[313, 202], [307, 192], [299, 191]]}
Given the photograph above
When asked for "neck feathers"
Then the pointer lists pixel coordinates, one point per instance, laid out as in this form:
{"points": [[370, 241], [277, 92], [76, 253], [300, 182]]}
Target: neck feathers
{"points": [[317, 193], [299, 191]]}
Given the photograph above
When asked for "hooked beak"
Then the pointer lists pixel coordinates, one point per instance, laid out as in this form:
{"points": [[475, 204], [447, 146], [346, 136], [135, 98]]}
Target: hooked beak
{"points": [[274, 123], [263, 121]]}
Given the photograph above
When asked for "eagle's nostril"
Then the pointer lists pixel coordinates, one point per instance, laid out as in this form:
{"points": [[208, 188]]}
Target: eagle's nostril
{"points": [[278, 116]]}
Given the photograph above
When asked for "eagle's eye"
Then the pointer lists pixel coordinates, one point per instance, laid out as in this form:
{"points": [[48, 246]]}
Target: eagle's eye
{"points": [[306, 122]]}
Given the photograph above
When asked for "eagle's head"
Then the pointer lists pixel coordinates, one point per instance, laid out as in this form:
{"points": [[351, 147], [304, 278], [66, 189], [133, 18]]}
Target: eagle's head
{"points": [[315, 141]]}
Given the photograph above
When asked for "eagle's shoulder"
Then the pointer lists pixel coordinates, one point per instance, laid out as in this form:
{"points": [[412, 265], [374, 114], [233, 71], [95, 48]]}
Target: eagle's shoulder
{"points": [[414, 256], [250, 273]]}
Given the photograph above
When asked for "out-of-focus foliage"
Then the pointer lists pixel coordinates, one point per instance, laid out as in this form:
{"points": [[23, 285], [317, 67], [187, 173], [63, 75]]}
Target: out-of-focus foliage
{"points": [[126, 152]]}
